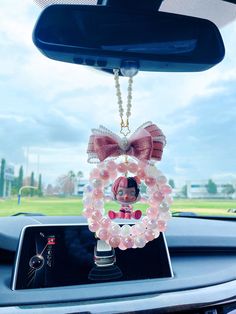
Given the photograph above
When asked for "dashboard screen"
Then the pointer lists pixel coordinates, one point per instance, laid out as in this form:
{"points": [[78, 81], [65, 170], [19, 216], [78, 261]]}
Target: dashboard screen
{"points": [[62, 255]]}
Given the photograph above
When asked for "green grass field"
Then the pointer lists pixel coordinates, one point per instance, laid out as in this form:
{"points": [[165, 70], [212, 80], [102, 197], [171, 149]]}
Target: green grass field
{"points": [[73, 206]]}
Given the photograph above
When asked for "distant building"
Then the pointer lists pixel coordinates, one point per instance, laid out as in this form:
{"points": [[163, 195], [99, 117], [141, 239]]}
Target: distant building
{"points": [[177, 192], [79, 186], [198, 189], [8, 179]]}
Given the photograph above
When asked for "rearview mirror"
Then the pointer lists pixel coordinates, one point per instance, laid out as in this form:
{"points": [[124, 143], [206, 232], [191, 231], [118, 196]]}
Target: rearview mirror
{"points": [[106, 38]]}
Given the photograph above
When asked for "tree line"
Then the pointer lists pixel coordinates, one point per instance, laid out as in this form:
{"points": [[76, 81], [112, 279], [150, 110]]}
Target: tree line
{"points": [[65, 184], [19, 181]]}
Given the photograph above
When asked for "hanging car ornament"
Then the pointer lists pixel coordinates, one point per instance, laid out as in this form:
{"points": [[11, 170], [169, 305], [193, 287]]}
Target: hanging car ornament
{"points": [[124, 164]]}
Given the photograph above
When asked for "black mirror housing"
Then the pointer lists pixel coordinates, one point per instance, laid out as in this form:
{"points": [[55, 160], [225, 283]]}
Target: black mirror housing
{"points": [[107, 37]]}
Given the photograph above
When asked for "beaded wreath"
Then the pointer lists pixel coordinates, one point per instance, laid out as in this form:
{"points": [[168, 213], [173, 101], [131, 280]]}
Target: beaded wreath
{"points": [[141, 151]]}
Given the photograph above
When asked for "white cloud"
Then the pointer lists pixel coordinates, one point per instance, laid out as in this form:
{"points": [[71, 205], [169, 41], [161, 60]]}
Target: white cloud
{"points": [[16, 20], [219, 12], [225, 177], [17, 118]]}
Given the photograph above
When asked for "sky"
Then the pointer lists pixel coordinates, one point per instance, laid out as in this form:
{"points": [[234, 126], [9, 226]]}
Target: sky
{"points": [[47, 108]]}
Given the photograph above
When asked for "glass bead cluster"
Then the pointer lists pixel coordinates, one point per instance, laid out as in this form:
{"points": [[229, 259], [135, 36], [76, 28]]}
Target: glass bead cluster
{"points": [[157, 196]]}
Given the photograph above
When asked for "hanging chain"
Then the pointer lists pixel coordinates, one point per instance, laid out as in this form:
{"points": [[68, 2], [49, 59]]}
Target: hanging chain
{"points": [[124, 122]]}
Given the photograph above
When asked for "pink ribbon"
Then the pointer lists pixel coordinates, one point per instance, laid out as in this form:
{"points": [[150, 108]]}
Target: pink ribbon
{"points": [[145, 144]]}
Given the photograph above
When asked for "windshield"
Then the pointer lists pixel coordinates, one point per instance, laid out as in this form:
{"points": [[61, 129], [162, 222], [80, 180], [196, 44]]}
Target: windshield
{"points": [[48, 109]]}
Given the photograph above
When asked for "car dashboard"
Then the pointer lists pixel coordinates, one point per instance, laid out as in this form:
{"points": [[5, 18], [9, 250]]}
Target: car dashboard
{"points": [[203, 259]]}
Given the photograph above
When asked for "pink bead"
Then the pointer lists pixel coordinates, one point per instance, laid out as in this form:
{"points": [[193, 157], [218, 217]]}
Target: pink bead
{"points": [[166, 189], [122, 167], [105, 222], [169, 199], [143, 199], [158, 196], [149, 235], [87, 212], [154, 203], [103, 234], [93, 226], [114, 241], [113, 175], [141, 174], [98, 204], [161, 225], [142, 164], [152, 212], [134, 230], [96, 215], [111, 165], [128, 242], [132, 167], [95, 173], [97, 194], [122, 246], [104, 175], [150, 181], [145, 220]]}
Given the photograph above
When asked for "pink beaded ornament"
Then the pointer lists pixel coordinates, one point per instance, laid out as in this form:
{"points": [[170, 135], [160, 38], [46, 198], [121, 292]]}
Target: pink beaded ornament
{"points": [[143, 149], [140, 151]]}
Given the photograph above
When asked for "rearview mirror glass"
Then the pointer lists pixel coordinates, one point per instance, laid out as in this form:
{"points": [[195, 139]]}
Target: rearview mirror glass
{"points": [[106, 38]]}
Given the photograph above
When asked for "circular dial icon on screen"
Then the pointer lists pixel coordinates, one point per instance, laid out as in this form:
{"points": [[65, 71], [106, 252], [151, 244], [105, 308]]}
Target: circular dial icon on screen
{"points": [[36, 262]]}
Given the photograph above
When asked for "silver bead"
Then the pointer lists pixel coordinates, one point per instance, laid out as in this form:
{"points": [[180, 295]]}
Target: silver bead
{"points": [[124, 144]]}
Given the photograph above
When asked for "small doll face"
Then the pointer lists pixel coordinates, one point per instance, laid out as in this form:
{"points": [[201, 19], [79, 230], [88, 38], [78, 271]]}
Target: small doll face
{"points": [[126, 195], [125, 190]]}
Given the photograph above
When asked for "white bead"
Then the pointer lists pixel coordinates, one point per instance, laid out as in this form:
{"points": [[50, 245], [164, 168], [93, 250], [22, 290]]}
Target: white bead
{"points": [[114, 229], [164, 207], [165, 216], [124, 144], [139, 242], [140, 227], [125, 230], [151, 171]]}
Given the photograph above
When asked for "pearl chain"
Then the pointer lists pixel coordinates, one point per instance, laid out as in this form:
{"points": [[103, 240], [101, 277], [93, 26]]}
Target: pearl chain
{"points": [[124, 125]]}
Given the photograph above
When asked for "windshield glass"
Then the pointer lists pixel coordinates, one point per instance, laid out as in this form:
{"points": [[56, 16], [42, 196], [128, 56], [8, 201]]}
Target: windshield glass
{"points": [[48, 109]]}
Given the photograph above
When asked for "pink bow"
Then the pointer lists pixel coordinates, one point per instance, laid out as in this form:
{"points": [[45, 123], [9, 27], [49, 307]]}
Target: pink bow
{"points": [[146, 143]]}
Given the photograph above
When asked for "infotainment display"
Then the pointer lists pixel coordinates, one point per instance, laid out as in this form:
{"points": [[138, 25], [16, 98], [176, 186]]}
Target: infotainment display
{"points": [[62, 255]]}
